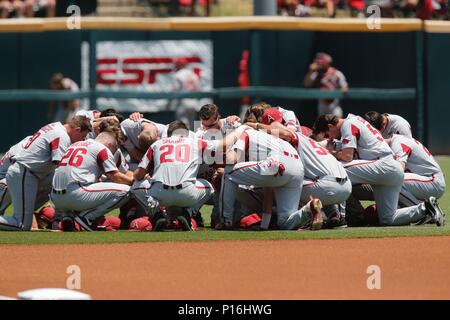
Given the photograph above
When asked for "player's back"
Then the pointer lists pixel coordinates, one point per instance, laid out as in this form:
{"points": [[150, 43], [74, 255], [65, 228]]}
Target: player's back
{"points": [[417, 157], [132, 130], [83, 163], [44, 147], [176, 159], [359, 134], [258, 145], [397, 125], [318, 161]]}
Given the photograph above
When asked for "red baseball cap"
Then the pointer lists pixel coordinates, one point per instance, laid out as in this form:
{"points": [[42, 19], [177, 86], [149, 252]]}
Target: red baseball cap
{"points": [[272, 115]]}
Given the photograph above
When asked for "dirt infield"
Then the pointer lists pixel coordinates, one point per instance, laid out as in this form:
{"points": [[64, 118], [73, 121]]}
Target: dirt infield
{"points": [[411, 268]]}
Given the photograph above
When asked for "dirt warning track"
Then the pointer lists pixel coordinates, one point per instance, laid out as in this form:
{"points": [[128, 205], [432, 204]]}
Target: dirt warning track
{"points": [[411, 268]]}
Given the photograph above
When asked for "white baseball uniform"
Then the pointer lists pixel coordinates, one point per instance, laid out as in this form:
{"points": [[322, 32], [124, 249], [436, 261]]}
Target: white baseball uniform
{"points": [[174, 162], [290, 119], [207, 169], [132, 129], [423, 176], [325, 177], [75, 183], [396, 125], [7, 160], [29, 178], [269, 162], [376, 166]]}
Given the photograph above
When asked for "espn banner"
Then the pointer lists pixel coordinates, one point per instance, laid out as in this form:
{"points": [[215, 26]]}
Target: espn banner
{"points": [[146, 66]]}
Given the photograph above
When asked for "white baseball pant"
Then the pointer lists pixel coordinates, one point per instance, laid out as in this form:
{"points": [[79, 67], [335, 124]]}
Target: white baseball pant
{"points": [[386, 178], [417, 188], [191, 194], [327, 189], [287, 188], [28, 193], [92, 201], [5, 197]]}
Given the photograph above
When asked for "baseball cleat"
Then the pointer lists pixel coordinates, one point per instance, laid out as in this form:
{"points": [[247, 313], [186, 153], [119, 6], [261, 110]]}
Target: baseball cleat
{"points": [[84, 223], [159, 221], [315, 208], [433, 208], [185, 223], [67, 224], [227, 225]]}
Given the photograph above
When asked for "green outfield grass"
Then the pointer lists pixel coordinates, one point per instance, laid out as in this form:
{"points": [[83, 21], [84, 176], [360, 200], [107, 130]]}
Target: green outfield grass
{"points": [[47, 237]]}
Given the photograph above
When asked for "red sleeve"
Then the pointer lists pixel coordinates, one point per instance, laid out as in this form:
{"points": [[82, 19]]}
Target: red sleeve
{"points": [[54, 145], [149, 156], [246, 140], [355, 132], [406, 149], [102, 156], [202, 145]]}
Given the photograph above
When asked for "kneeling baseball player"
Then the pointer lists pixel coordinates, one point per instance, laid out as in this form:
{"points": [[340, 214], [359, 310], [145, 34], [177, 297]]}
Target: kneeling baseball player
{"points": [[376, 166], [29, 179], [75, 184], [264, 161], [173, 164], [325, 177]]}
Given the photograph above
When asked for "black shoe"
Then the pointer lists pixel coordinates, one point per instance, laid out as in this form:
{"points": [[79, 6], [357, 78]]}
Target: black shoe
{"points": [[68, 224], [159, 221], [84, 223], [197, 216], [185, 221], [434, 210]]}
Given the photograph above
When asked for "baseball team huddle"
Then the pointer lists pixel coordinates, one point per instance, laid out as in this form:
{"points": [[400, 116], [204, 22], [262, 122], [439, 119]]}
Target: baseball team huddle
{"points": [[262, 172]]}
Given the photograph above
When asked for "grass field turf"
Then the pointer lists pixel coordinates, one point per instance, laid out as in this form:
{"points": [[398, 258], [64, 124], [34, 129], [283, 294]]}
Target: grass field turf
{"points": [[46, 237]]}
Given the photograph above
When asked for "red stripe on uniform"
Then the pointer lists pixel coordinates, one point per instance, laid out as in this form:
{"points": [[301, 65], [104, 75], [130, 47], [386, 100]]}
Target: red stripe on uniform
{"points": [[103, 190], [359, 164], [202, 187], [244, 167], [54, 144], [310, 184], [418, 180]]}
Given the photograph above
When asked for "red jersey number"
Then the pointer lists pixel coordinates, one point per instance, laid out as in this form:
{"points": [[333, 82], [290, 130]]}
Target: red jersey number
{"points": [[32, 139], [319, 149], [172, 153], [73, 157]]}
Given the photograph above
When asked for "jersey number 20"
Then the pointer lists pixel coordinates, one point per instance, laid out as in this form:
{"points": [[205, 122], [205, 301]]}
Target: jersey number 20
{"points": [[181, 151]]}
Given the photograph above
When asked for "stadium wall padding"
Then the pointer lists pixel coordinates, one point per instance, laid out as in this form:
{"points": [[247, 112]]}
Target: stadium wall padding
{"points": [[377, 60]]}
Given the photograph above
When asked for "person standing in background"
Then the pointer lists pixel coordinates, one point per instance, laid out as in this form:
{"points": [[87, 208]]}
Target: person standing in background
{"points": [[186, 79], [64, 109], [323, 76]]}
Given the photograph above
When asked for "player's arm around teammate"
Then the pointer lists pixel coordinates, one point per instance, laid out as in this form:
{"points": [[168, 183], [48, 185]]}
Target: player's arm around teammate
{"points": [[376, 167], [75, 185]]}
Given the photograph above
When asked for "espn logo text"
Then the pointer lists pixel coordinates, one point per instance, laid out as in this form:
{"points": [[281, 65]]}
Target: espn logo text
{"points": [[138, 70]]}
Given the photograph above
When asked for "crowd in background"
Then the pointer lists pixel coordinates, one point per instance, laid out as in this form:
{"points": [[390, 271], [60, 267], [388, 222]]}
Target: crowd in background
{"points": [[423, 9]]}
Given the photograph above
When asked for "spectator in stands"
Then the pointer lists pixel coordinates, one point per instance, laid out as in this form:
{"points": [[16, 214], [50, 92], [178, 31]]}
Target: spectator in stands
{"points": [[302, 8], [34, 6], [323, 76], [12, 7], [65, 109], [356, 7]]}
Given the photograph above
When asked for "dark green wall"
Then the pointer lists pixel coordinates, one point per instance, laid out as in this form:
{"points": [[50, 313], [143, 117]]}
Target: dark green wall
{"points": [[438, 91], [378, 60]]}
